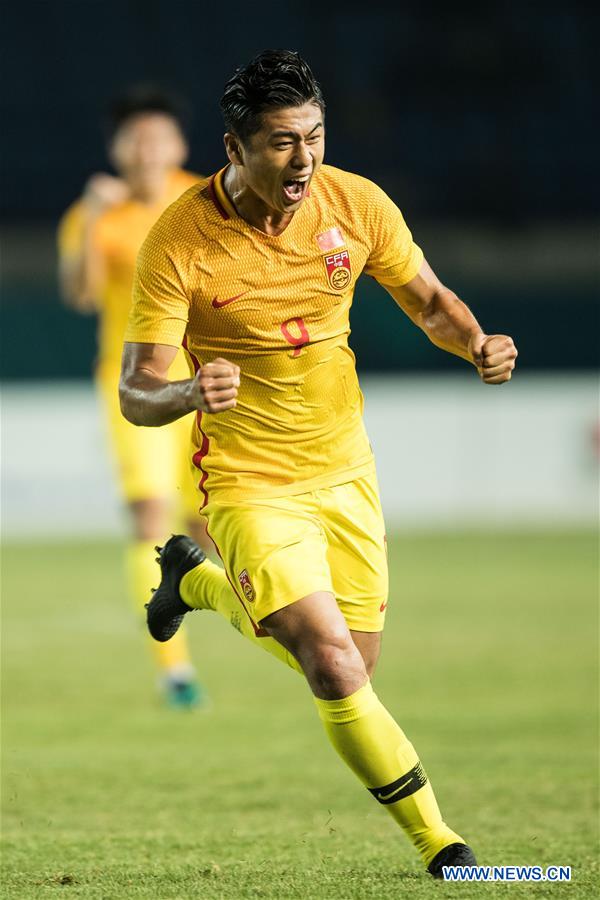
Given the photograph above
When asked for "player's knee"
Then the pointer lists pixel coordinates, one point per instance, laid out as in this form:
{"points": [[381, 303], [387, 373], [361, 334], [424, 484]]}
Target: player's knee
{"points": [[336, 667], [149, 519]]}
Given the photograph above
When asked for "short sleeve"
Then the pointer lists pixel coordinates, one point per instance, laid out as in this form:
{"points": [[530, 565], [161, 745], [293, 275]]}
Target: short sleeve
{"points": [[394, 258], [160, 307]]}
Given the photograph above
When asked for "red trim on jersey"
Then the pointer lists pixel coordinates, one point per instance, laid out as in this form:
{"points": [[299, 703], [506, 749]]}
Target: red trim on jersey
{"points": [[195, 362], [197, 458], [213, 196], [201, 453]]}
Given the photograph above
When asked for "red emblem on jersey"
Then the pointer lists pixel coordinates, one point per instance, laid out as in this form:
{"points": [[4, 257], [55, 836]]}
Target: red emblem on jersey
{"points": [[330, 240], [246, 584], [338, 270]]}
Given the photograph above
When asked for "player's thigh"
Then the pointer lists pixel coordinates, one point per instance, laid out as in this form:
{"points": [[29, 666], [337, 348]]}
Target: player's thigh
{"points": [[310, 621], [274, 552], [353, 522], [314, 630]]}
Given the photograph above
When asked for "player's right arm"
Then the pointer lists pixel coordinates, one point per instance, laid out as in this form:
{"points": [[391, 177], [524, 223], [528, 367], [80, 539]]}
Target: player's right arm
{"points": [[157, 326], [80, 267], [149, 398]]}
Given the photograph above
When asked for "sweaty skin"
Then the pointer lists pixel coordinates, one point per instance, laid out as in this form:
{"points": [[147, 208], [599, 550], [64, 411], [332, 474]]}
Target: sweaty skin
{"points": [[289, 146]]}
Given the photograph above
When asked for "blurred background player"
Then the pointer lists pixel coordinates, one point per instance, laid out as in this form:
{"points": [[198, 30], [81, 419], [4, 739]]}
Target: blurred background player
{"points": [[98, 240]]}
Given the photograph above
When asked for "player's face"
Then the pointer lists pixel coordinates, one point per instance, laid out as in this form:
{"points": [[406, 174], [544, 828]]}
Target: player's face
{"points": [[148, 144], [280, 160]]}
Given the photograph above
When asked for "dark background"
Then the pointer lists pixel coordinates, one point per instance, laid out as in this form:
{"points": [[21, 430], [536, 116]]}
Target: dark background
{"points": [[481, 121]]}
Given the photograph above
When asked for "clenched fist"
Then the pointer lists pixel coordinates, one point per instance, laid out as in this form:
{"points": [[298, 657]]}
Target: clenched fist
{"points": [[216, 386], [494, 355], [104, 191]]}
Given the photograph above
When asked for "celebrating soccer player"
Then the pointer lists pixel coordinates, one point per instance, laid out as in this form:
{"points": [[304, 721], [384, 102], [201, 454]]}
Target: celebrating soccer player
{"points": [[254, 269], [99, 238]]}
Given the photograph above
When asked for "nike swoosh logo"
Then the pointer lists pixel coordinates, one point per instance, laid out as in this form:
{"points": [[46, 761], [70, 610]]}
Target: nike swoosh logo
{"points": [[393, 793], [383, 606], [218, 304]]}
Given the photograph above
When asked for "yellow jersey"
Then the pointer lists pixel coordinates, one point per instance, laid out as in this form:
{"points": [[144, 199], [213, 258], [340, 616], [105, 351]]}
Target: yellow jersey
{"points": [[277, 306], [117, 237]]}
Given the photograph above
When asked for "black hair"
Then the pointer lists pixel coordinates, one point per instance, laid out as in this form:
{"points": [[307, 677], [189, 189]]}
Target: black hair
{"points": [[145, 98], [272, 80]]}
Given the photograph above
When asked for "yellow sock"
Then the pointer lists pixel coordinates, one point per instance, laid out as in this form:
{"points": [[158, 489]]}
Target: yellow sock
{"points": [[379, 753], [144, 575], [207, 587]]}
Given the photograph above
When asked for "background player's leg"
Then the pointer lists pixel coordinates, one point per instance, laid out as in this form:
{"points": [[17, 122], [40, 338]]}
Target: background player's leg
{"points": [[196, 528], [360, 728], [150, 523], [146, 464]]}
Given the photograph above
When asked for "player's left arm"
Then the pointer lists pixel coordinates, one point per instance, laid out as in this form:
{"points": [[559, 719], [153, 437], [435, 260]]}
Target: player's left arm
{"points": [[450, 324]]}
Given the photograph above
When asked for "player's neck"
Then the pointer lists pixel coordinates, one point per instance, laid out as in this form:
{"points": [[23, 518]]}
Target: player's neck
{"points": [[250, 207], [148, 189]]}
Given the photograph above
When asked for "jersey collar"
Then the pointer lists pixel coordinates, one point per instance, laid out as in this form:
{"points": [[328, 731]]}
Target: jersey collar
{"points": [[219, 196]]}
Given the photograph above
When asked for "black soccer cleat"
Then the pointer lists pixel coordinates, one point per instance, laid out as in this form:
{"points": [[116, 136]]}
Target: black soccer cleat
{"points": [[452, 855], [166, 610]]}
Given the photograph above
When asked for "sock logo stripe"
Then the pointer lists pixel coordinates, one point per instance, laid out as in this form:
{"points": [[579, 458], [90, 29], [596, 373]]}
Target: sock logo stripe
{"points": [[403, 787]]}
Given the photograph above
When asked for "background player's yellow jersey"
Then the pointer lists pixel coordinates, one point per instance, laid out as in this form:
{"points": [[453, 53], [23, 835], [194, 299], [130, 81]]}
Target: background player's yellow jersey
{"points": [[279, 308], [117, 237]]}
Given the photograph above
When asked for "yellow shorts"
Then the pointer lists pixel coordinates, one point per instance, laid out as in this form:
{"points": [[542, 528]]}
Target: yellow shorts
{"points": [[150, 462], [276, 551]]}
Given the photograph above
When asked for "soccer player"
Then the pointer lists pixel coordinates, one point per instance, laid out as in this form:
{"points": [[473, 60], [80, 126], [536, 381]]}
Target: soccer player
{"points": [[99, 238], [255, 268]]}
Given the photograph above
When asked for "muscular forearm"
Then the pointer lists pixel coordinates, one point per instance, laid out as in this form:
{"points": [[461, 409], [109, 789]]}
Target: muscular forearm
{"points": [[449, 323], [149, 400]]}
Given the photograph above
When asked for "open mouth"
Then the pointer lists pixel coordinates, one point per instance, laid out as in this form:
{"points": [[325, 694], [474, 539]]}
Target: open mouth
{"points": [[294, 189]]}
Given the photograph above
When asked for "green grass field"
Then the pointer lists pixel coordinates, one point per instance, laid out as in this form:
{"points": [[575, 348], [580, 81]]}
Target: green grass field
{"points": [[488, 664]]}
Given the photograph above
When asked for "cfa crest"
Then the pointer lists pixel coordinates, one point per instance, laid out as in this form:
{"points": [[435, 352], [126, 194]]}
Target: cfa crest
{"points": [[246, 584], [338, 270]]}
